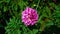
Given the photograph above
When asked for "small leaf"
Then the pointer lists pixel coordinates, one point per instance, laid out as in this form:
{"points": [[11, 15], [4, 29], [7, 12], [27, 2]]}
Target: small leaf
{"points": [[5, 9]]}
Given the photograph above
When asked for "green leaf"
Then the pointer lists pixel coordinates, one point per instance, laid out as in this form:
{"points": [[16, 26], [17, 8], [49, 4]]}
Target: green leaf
{"points": [[35, 31], [5, 9], [49, 23], [21, 4], [6, 0]]}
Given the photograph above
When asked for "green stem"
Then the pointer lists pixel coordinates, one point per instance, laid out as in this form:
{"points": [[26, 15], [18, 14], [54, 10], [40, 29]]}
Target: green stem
{"points": [[38, 4]]}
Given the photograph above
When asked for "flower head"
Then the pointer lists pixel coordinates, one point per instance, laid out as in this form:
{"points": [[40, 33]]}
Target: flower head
{"points": [[29, 16]]}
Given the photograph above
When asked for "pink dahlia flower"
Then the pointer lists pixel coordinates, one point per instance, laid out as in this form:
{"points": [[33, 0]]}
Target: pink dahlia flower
{"points": [[29, 16]]}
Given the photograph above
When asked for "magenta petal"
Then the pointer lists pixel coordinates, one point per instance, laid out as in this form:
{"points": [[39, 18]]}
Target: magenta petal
{"points": [[29, 16]]}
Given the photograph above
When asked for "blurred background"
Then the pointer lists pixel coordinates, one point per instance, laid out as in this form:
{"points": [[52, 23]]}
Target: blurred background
{"points": [[48, 22]]}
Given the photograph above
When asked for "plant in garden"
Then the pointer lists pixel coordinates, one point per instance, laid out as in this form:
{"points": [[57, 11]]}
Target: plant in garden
{"points": [[29, 16], [13, 26], [39, 17]]}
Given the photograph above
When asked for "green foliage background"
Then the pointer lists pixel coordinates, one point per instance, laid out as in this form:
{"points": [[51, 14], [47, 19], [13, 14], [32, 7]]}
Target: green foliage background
{"points": [[10, 16]]}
